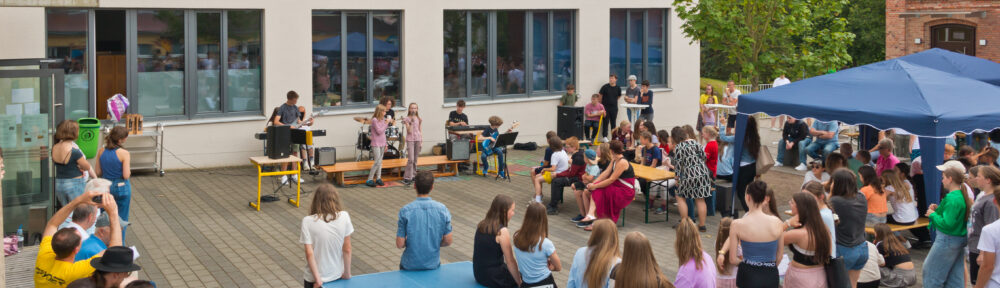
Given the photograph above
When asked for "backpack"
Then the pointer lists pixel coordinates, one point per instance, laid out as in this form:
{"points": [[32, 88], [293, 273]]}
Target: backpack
{"points": [[530, 146]]}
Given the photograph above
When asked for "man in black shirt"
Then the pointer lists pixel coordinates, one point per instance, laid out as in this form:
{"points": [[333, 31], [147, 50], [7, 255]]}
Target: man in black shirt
{"points": [[794, 132], [457, 118], [609, 98]]}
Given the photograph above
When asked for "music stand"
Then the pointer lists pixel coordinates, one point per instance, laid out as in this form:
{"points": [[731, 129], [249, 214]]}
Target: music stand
{"points": [[504, 140]]}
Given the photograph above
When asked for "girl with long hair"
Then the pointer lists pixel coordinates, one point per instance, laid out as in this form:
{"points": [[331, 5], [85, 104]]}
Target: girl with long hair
{"points": [[376, 131], [809, 243], [638, 267], [535, 254], [984, 177], [898, 270], [614, 189], [414, 139], [949, 219], [326, 234], [708, 114], [829, 219], [748, 160], [901, 197], [694, 180], [115, 164], [725, 276], [493, 263], [581, 193], [759, 236], [852, 209], [71, 165], [696, 267], [874, 194], [592, 264], [708, 97]]}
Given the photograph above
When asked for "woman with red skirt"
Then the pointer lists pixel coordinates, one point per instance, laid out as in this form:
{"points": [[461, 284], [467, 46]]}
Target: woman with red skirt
{"points": [[613, 190]]}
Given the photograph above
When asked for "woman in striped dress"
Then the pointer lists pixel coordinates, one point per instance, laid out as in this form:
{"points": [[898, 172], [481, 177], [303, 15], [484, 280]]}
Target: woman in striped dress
{"points": [[694, 180]]}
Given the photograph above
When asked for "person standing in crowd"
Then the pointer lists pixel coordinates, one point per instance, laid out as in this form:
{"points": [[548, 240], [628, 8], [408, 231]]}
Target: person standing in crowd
{"points": [[376, 130], [594, 110], [809, 242], [748, 162], [696, 267], [708, 97], [710, 134], [424, 227], [731, 97], [816, 190], [326, 234], [818, 173], [871, 275], [632, 93], [646, 98], [638, 267], [493, 263], [70, 163], [780, 81], [794, 132], [614, 189], [536, 255], [886, 160], [875, 195], [725, 276], [898, 270], [111, 270], [610, 93], [989, 245], [985, 178], [592, 264], [414, 139], [826, 140], [569, 177], [694, 180], [114, 163], [852, 208], [559, 163], [569, 98], [55, 265], [286, 114], [949, 219], [759, 236]]}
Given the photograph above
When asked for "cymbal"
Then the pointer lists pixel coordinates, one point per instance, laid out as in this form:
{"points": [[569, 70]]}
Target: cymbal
{"points": [[360, 119]]}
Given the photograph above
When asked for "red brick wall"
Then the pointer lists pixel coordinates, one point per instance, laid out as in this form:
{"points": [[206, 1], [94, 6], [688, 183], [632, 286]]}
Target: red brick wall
{"points": [[901, 33]]}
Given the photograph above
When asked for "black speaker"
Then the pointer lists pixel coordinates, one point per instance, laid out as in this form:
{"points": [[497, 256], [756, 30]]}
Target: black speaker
{"points": [[457, 149], [325, 156], [570, 122], [278, 141]]}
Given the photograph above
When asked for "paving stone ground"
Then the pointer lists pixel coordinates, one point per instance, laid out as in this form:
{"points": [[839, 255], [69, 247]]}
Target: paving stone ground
{"points": [[195, 228]]}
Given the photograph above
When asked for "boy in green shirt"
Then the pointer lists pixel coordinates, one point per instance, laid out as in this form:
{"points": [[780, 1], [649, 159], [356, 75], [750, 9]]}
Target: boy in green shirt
{"points": [[569, 99]]}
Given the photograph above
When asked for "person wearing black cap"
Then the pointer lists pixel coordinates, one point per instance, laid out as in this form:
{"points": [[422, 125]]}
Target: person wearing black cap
{"points": [[110, 270]]}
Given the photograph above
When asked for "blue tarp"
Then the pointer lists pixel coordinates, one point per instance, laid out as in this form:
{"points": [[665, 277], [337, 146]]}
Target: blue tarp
{"points": [[356, 43], [958, 64], [925, 101]]}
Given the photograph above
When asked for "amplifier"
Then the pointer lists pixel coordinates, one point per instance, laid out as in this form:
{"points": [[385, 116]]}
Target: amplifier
{"points": [[278, 142], [457, 149], [325, 156]]}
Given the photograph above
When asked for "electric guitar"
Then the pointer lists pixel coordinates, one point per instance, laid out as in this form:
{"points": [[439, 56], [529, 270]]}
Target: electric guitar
{"points": [[489, 144]]}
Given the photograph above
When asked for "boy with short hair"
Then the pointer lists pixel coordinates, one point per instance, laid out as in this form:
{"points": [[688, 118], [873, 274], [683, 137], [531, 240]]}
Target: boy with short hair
{"points": [[558, 164], [424, 227], [569, 98], [593, 110], [646, 98], [577, 167], [495, 123]]}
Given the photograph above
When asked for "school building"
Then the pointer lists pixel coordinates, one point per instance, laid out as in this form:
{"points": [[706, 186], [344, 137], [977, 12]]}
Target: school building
{"points": [[971, 27]]}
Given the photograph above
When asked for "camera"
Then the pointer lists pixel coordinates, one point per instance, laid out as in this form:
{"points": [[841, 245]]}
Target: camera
{"points": [[96, 199]]}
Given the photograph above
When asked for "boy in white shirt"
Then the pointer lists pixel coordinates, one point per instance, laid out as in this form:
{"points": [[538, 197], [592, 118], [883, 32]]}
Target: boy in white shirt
{"points": [[558, 164]]}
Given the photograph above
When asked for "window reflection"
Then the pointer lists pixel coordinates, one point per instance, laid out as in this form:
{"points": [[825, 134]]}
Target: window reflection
{"points": [[385, 52], [618, 45], [636, 35], [654, 40], [357, 57], [479, 53], [540, 51], [510, 52], [327, 80], [454, 54], [209, 61], [562, 49], [160, 63], [243, 73], [66, 32]]}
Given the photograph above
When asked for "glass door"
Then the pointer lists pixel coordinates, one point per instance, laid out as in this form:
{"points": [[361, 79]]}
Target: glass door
{"points": [[29, 98]]}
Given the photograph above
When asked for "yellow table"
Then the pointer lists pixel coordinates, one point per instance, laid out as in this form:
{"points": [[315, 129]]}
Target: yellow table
{"points": [[260, 161]]}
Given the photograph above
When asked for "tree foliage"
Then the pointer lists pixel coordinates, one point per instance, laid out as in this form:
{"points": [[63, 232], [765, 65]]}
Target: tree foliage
{"points": [[866, 19], [767, 38]]}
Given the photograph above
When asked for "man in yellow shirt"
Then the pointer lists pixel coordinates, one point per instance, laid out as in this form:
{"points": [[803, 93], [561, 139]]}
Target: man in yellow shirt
{"points": [[54, 266]]}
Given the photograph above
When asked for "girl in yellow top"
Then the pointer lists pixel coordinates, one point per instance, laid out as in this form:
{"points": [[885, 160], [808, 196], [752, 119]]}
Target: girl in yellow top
{"points": [[875, 194]]}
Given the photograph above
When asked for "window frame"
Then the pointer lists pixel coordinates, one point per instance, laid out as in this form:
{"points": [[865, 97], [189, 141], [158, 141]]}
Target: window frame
{"points": [[491, 47], [645, 44], [369, 55]]}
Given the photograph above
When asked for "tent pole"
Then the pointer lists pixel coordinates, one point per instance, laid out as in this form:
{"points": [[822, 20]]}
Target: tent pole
{"points": [[740, 130]]}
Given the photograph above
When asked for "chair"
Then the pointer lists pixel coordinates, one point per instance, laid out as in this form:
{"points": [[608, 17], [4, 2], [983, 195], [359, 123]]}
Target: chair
{"points": [[492, 160]]}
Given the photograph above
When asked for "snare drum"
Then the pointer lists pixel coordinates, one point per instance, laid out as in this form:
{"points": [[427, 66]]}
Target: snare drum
{"points": [[391, 132]]}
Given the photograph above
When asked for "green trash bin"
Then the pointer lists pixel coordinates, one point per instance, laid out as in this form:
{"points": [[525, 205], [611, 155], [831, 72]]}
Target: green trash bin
{"points": [[90, 135]]}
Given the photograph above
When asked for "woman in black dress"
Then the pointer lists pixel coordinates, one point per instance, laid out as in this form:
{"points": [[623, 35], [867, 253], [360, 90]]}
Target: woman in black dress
{"points": [[493, 261]]}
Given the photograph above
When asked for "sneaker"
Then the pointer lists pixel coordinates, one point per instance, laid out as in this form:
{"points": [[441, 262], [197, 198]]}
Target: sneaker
{"points": [[576, 219], [552, 211], [702, 229], [379, 182], [778, 164], [775, 129], [407, 182], [604, 140], [660, 211], [296, 177], [582, 224], [370, 183], [284, 179], [801, 167]]}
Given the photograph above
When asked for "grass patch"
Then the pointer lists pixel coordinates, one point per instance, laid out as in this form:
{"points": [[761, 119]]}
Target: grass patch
{"points": [[716, 83]]}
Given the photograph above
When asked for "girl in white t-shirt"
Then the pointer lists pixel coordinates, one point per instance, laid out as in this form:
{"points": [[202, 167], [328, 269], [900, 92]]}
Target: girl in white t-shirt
{"points": [[901, 197], [326, 234]]}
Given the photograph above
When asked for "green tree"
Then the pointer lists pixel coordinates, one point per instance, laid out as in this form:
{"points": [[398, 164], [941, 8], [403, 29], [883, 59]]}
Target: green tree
{"points": [[766, 38], [866, 19]]}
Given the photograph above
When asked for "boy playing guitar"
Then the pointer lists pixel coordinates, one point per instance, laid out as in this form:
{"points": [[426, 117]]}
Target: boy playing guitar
{"points": [[489, 142]]}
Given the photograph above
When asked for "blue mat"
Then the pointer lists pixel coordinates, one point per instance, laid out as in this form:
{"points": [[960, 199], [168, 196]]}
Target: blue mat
{"points": [[457, 274]]}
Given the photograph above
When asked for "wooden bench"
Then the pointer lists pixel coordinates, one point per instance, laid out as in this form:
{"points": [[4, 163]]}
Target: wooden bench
{"points": [[336, 172], [920, 223]]}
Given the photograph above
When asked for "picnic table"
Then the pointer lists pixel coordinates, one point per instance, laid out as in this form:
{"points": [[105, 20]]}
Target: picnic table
{"points": [[458, 274], [650, 174]]}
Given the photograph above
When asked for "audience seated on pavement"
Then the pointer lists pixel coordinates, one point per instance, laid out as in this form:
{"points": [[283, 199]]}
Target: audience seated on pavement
{"points": [[536, 255], [493, 263], [424, 227]]}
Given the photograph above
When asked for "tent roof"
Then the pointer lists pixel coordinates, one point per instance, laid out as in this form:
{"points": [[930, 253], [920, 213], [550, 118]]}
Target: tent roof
{"points": [[958, 64], [888, 94]]}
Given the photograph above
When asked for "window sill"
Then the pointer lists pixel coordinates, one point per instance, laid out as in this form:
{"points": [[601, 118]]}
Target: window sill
{"points": [[503, 100], [214, 120], [664, 89], [334, 111]]}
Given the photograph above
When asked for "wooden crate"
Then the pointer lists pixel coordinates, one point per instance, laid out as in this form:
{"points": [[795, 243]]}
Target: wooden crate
{"points": [[133, 122]]}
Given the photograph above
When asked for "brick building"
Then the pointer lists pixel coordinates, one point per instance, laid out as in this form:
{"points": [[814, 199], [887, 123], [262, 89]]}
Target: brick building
{"points": [[966, 26]]}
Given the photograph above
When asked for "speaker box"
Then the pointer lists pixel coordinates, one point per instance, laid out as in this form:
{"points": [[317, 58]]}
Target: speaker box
{"points": [[325, 156], [457, 149], [278, 141], [570, 122]]}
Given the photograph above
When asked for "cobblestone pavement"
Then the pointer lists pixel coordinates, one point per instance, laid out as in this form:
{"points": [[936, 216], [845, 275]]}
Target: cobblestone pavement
{"points": [[195, 229]]}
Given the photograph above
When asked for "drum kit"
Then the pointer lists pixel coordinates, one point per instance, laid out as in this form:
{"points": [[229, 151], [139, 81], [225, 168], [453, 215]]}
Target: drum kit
{"points": [[363, 146]]}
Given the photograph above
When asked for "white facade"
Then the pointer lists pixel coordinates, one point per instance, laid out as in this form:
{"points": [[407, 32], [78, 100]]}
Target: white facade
{"points": [[287, 66]]}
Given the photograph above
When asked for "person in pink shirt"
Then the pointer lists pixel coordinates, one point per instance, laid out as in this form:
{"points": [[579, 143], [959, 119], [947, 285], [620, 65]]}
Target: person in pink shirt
{"points": [[886, 161], [594, 110], [413, 141], [377, 134], [697, 270]]}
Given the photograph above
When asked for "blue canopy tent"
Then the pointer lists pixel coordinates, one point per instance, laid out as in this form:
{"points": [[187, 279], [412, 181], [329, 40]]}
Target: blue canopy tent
{"points": [[889, 94], [356, 43], [957, 63]]}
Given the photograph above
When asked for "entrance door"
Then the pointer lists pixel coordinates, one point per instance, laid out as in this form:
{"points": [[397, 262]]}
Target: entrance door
{"points": [[954, 37], [32, 103]]}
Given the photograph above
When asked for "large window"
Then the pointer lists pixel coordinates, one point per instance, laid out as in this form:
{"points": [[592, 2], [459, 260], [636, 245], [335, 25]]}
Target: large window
{"points": [[638, 41], [368, 69], [66, 40], [507, 53]]}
